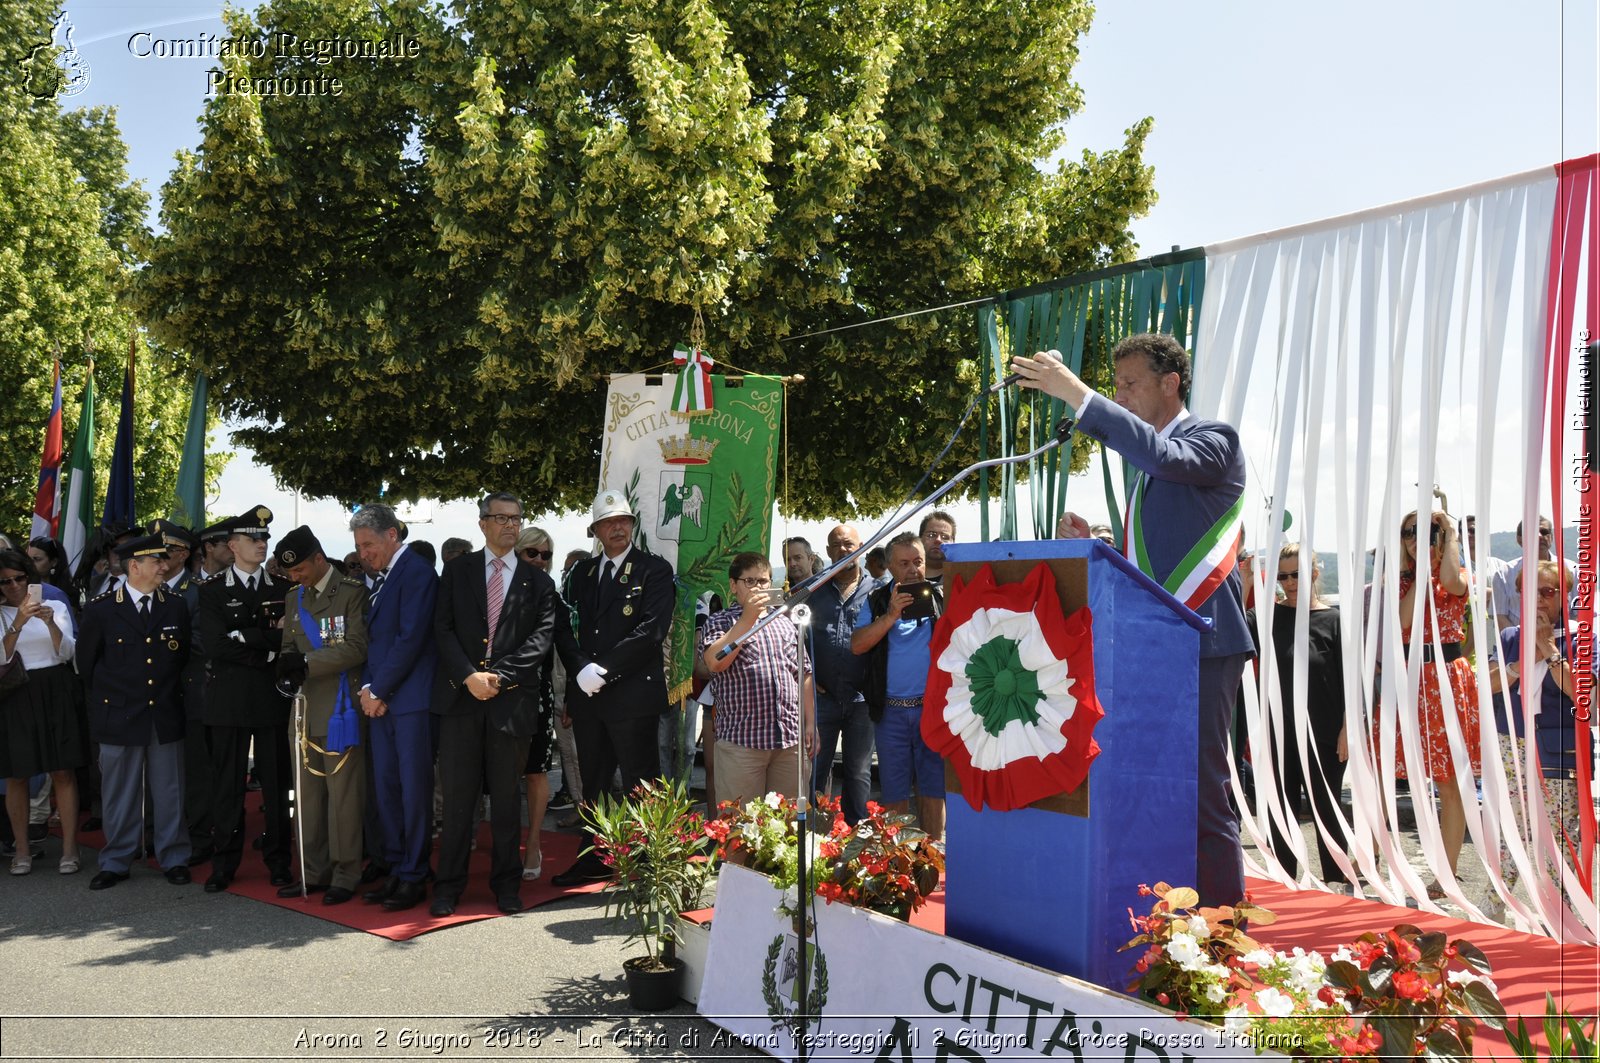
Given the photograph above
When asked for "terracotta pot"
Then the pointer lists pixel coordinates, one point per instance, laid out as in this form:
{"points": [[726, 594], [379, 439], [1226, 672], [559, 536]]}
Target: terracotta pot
{"points": [[651, 989]]}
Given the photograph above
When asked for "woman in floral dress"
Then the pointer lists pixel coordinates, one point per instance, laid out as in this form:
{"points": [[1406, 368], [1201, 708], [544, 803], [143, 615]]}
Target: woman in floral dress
{"points": [[1447, 580]]}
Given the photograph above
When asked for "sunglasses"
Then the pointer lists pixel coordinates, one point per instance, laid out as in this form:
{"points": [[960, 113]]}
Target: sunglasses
{"points": [[1544, 592], [1285, 577], [14, 580], [531, 554], [1411, 533]]}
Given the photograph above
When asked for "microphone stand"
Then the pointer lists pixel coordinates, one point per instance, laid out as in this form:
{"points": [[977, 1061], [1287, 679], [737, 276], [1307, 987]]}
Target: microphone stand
{"points": [[795, 604]]}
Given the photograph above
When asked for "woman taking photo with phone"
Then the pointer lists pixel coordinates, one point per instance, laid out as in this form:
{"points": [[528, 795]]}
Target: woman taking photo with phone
{"points": [[41, 708]]}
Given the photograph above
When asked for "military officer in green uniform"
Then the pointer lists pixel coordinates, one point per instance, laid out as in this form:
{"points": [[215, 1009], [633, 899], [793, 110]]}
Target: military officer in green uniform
{"points": [[324, 646], [241, 615]]}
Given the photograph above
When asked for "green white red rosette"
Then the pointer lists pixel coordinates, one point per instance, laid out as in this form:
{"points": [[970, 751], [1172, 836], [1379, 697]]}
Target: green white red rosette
{"points": [[1010, 701]]}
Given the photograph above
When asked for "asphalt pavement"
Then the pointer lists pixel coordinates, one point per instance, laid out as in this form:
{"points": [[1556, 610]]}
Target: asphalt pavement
{"points": [[148, 970]]}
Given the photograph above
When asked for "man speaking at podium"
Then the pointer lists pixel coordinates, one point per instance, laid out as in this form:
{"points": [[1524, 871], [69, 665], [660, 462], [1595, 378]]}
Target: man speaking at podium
{"points": [[1188, 491]]}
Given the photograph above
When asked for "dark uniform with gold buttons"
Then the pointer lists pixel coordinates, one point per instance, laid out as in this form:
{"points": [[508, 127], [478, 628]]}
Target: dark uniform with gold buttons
{"points": [[241, 613], [132, 648], [196, 745]]}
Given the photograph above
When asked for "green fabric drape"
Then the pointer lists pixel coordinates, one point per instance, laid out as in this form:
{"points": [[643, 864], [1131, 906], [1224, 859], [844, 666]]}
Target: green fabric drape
{"points": [[1083, 317]]}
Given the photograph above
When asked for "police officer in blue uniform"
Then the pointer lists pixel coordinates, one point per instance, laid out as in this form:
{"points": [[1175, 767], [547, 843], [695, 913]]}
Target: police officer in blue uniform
{"points": [[132, 648], [182, 546]]}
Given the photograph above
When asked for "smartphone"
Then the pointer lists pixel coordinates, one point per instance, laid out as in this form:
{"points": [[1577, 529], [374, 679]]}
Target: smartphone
{"points": [[36, 593], [921, 606]]}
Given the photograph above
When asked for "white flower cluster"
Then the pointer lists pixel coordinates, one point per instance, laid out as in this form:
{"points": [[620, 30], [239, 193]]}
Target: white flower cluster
{"points": [[1184, 949]]}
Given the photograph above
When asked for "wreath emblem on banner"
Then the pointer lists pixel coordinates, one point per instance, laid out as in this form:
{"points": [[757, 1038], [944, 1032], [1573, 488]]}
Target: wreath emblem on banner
{"points": [[1010, 700]]}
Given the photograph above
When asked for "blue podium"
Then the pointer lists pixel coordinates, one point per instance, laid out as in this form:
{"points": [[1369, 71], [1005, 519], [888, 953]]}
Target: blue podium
{"points": [[1051, 884]]}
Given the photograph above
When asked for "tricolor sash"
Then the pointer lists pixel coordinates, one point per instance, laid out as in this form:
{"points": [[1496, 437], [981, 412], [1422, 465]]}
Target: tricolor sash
{"points": [[344, 730], [1207, 563]]}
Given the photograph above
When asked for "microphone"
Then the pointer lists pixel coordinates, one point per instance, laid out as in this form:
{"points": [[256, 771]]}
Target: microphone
{"points": [[1004, 382]]}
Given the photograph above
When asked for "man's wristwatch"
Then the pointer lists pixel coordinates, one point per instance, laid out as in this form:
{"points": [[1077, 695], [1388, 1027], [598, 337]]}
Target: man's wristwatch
{"points": [[1554, 659]]}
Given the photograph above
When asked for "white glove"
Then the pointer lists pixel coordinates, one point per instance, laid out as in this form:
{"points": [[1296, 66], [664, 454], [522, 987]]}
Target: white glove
{"points": [[237, 636], [591, 679]]}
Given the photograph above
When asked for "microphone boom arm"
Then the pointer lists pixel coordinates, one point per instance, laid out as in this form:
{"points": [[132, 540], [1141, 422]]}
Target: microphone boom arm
{"points": [[799, 596]]}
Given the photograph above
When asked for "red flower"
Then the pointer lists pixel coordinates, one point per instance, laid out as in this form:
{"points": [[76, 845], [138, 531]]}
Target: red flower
{"points": [[1366, 952], [1363, 1044], [874, 809], [1181, 1015], [1404, 951], [1145, 891], [1162, 998], [1326, 995], [1410, 985], [717, 829]]}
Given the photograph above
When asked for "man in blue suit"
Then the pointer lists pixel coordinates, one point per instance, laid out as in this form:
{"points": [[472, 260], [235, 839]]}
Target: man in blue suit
{"points": [[1188, 491], [396, 694]]}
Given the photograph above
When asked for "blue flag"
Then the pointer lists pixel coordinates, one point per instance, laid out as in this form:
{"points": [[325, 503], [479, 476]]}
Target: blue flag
{"points": [[119, 511]]}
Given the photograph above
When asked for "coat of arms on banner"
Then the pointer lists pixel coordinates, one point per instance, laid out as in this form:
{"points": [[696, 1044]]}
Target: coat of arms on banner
{"points": [[702, 484]]}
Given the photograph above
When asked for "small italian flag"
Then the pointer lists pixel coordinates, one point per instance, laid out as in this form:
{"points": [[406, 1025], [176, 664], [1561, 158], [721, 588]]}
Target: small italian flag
{"points": [[692, 396], [1010, 701]]}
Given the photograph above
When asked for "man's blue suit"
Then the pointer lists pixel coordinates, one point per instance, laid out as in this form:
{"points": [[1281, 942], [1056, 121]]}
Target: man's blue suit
{"points": [[402, 657], [1196, 475]]}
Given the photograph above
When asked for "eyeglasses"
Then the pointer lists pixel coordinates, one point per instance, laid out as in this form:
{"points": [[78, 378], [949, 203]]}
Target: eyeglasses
{"points": [[755, 583], [504, 519], [1285, 577], [9, 580], [1544, 592], [543, 555]]}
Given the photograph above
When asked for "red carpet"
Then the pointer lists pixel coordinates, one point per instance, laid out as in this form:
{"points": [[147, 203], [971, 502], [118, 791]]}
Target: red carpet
{"points": [[476, 902], [1526, 966], [559, 849]]}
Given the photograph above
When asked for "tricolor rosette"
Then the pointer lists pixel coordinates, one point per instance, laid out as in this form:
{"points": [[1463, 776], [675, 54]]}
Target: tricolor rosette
{"points": [[1010, 701]]}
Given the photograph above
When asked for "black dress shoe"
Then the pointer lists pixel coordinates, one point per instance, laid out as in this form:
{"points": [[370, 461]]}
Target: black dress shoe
{"points": [[441, 907], [337, 895], [218, 882], [280, 876], [373, 872], [293, 890], [581, 874], [406, 895], [201, 856], [510, 904], [382, 893], [178, 876], [106, 879], [91, 824]]}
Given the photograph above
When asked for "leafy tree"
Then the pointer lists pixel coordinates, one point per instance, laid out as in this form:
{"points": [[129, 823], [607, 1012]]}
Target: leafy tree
{"points": [[68, 220], [423, 279]]}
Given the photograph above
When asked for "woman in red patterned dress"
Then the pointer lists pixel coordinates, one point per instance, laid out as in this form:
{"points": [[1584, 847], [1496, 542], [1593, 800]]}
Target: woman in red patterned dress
{"points": [[1448, 582]]}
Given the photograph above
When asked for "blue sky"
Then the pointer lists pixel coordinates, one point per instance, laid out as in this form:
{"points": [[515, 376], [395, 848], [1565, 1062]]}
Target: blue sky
{"points": [[1267, 114]]}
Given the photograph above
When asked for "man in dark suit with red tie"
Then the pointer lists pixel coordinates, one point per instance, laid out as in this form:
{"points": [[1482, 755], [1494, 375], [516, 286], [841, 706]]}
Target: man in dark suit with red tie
{"points": [[1183, 530], [396, 695], [617, 681], [494, 621]]}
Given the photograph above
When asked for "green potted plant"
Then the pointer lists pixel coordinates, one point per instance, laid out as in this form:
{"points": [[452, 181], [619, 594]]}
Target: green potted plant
{"points": [[652, 839]]}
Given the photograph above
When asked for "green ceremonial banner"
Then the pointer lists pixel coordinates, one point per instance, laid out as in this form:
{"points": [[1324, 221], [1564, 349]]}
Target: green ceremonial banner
{"points": [[188, 506], [702, 484]]}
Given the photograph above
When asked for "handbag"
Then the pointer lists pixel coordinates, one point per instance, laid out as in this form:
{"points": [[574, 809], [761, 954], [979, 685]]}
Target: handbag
{"points": [[12, 674]]}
